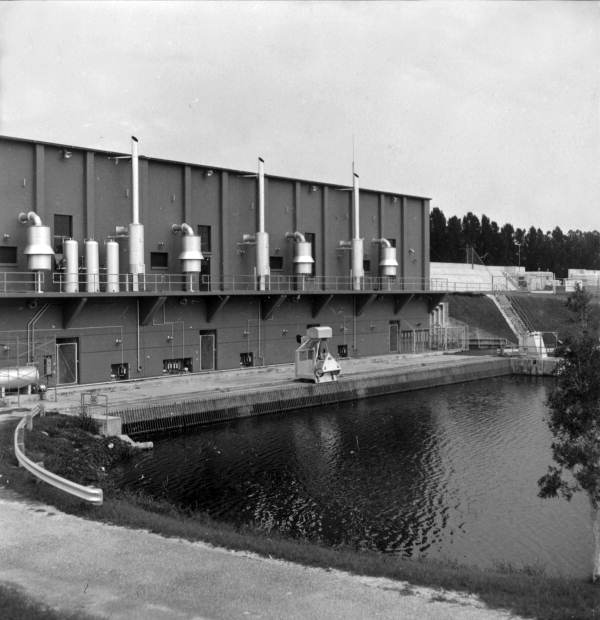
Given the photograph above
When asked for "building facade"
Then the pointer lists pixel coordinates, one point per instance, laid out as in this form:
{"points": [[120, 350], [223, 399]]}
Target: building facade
{"points": [[116, 266]]}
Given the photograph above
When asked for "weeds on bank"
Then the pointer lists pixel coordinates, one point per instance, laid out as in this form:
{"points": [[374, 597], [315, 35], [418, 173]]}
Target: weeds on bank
{"points": [[525, 591]]}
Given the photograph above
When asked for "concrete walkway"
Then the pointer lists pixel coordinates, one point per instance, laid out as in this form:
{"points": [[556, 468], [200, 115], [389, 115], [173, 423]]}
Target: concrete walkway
{"points": [[68, 398], [112, 572]]}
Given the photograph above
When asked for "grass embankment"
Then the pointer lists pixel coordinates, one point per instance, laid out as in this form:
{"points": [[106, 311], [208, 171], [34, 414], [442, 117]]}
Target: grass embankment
{"points": [[525, 592], [480, 312]]}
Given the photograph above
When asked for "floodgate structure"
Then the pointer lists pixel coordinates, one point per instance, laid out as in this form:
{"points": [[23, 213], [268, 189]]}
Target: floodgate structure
{"points": [[117, 266]]}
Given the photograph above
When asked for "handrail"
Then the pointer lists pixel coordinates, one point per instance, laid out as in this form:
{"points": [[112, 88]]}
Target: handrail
{"points": [[92, 495]]}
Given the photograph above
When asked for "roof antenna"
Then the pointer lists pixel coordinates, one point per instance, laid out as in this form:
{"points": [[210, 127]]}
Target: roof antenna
{"points": [[353, 149]]}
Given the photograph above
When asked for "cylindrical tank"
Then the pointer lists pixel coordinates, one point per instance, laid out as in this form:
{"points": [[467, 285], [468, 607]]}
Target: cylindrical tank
{"points": [[357, 263], [71, 256], [262, 258], [18, 376], [388, 265], [92, 266], [39, 252], [112, 266], [136, 248], [190, 256], [303, 260]]}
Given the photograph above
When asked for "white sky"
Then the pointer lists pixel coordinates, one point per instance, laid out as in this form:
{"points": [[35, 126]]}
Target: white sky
{"points": [[486, 107]]}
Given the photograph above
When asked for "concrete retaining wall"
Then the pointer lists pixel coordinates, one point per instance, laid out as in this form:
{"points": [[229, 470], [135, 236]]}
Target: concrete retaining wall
{"points": [[219, 407]]}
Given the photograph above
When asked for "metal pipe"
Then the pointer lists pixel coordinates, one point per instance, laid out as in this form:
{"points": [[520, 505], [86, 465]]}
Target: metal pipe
{"points": [[357, 242], [261, 194], [184, 229], [383, 242], [355, 208], [31, 217], [135, 181], [297, 236], [262, 237]]}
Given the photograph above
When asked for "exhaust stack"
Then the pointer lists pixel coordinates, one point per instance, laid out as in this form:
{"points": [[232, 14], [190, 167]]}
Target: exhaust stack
{"points": [[38, 250], [260, 238], [191, 254], [136, 230], [357, 243], [388, 264], [303, 260]]}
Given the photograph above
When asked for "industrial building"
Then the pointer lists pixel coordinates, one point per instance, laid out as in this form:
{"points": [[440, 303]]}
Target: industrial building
{"points": [[118, 266]]}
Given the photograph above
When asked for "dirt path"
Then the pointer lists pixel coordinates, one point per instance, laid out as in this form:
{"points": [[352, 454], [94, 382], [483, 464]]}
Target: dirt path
{"points": [[113, 572]]}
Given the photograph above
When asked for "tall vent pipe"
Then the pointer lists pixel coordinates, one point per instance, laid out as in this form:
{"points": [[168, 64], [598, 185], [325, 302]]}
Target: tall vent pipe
{"points": [[262, 237], [357, 243], [136, 230]]}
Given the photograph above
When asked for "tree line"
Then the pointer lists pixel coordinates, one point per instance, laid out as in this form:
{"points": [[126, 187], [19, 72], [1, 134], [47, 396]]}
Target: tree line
{"points": [[451, 241]]}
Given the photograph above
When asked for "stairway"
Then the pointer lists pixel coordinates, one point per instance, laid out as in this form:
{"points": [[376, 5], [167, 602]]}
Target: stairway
{"points": [[519, 323]]}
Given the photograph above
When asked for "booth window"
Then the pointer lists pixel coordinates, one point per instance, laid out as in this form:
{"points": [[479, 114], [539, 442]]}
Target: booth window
{"points": [[8, 254], [276, 263], [159, 260], [205, 238], [63, 229]]}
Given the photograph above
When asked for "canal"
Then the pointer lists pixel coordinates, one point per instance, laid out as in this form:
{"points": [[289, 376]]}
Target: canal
{"points": [[447, 473]]}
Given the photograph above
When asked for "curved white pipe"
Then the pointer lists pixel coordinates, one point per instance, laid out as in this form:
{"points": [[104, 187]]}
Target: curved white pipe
{"points": [[383, 242], [184, 229], [32, 218], [297, 236]]}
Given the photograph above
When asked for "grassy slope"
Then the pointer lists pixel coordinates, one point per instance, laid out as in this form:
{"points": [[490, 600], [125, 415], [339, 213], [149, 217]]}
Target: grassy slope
{"points": [[478, 311], [526, 592], [546, 313]]}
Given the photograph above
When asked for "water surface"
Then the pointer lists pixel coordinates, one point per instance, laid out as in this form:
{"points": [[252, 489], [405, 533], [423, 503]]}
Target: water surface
{"points": [[446, 473]]}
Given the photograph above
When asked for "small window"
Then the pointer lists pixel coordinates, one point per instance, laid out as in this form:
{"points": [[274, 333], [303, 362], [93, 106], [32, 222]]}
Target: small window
{"points": [[276, 263], [366, 265], [247, 359], [204, 233], [119, 372], [342, 350], [8, 254], [159, 260], [176, 366], [63, 229]]}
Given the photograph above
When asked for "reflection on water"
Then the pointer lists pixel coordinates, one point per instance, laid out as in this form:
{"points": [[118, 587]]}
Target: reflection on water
{"points": [[447, 473]]}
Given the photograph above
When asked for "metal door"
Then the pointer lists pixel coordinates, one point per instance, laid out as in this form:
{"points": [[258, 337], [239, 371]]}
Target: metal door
{"points": [[66, 363], [207, 351]]}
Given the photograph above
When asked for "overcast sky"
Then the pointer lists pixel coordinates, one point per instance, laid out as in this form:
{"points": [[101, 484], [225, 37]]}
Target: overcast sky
{"points": [[486, 107]]}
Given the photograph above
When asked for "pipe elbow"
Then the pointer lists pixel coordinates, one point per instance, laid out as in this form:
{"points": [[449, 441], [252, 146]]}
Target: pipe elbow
{"points": [[32, 218], [297, 236], [184, 229], [383, 242]]}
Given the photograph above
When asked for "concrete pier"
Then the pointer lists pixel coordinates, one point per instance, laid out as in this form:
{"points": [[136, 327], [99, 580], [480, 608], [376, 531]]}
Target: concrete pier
{"points": [[180, 401]]}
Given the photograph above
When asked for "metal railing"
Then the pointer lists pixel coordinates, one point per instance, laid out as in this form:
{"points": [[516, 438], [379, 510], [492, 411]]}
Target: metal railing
{"points": [[164, 282], [91, 495], [19, 281]]}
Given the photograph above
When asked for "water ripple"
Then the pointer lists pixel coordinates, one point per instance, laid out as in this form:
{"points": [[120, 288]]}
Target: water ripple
{"points": [[449, 472]]}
